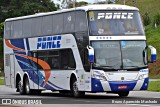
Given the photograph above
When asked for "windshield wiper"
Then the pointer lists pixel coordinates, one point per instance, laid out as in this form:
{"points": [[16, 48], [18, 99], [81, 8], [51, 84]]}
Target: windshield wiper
{"points": [[136, 67], [105, 67]]}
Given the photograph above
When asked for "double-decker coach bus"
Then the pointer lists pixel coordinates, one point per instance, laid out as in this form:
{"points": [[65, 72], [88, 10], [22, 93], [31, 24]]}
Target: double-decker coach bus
{"points": [[95, 48]]}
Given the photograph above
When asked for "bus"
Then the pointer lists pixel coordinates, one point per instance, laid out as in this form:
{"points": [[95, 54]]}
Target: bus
{"points": [[94, 48]]}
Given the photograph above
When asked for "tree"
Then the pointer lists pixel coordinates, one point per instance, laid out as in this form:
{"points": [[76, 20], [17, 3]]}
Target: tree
{"points": [[72, 3], [15, 8], [107, 2], [66, 3], [157, 19], [1, 28], [146, 19], [78, 4]]}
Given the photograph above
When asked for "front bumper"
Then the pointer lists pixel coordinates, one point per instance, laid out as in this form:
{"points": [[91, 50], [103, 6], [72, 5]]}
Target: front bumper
{"points": [[103, 86]]}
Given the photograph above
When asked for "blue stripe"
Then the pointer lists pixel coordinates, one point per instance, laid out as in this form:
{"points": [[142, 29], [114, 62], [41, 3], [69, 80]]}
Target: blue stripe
{"points": [[130, 85], [56, 86], [145, 84], [96, 85]]}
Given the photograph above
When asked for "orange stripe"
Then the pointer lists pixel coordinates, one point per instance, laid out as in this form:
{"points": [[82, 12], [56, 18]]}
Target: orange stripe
{"points": [[13, 47], [42, 63]]}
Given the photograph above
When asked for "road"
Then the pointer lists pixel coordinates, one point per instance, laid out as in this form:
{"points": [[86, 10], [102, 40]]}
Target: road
{"points": [[134, 99]]}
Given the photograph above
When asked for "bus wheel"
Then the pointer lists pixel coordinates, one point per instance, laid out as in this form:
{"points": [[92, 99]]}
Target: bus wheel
{"points": [[123, 93], [74, 89], [27, 87], [20, 87]]}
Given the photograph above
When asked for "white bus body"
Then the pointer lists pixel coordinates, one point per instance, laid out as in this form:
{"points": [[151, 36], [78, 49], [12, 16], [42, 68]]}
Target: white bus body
{"points": [[43, 54]]}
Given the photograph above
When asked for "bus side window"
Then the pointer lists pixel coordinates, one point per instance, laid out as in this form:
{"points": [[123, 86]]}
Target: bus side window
{"points": [[67, 62]]}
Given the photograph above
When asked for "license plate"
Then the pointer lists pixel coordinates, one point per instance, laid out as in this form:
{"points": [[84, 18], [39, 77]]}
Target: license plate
{"points": [[122, 87]]}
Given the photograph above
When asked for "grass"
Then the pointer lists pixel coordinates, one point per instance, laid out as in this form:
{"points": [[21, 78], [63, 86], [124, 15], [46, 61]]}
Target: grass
{"points": [[152, 7], [1, 81], [154, 86]]}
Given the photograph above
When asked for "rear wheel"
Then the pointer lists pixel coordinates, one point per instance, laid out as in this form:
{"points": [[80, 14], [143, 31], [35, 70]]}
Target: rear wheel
{"points": [[74, 89], [29, 91], [27, 87], [21, 87], [123, 93]]}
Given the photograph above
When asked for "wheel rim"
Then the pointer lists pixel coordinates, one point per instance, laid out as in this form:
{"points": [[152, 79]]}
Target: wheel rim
{"points": [[75, 88], [27, 87], [20, 86]]}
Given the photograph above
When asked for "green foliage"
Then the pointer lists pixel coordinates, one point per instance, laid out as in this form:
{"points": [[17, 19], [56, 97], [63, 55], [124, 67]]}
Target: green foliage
{"points": [[15, 8], [153, 38], [146, 19], [154, 86], [69, 4], [1, 81], [1, 29], [157, 19]]}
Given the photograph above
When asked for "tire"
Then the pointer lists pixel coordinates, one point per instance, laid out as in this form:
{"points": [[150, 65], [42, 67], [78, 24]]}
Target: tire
{"points": [[29, 91], [123, 93], [21, 87], [74, 89], [27, 87]]}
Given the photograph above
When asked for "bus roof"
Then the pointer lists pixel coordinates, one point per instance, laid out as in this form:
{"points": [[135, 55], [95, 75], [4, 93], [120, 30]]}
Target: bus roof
{"points": [[85, 8]]}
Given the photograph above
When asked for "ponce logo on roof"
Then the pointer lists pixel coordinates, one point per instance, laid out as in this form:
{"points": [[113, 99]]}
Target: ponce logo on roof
{"points": [[117, 15]]}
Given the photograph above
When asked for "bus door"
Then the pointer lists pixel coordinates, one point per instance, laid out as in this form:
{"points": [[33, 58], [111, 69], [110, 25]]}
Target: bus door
{"points": [[35, 70], [12, 70], [9, 70]]}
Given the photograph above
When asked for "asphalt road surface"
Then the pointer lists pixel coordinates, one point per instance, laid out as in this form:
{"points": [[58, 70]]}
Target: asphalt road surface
{"points": [[135, 99]]}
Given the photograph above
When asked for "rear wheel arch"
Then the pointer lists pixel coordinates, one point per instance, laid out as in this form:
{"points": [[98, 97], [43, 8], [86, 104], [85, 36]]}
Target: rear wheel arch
{"points": [[18, 78]]}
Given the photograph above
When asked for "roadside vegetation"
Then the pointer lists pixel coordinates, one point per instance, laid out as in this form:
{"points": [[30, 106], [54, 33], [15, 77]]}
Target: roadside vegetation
{"points": [[154, 86], [150, 14], [1, 81]]}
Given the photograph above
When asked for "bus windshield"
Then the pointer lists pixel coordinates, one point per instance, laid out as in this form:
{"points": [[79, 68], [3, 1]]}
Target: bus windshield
{"points": [[116, 23], [119, 54]]}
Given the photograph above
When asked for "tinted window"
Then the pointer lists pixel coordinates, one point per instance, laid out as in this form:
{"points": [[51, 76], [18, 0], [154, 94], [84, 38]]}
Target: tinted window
{"points": [[57, 59], [47, 25], [57, 24], [69, 21], [17, 29], [36, 26], [27, 27], [81, 21], [8, 30], [115, 23]]}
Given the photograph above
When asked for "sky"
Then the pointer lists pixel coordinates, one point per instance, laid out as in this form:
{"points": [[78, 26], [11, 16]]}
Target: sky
{"points": [[89, 1]]}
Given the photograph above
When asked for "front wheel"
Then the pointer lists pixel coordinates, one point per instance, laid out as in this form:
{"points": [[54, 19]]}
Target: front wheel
{"points": [[123, 93], [74, 89]]}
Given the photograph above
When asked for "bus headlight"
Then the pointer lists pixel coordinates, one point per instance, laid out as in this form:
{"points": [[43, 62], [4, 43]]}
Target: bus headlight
{"points": [[100, 77], [142, 76]]}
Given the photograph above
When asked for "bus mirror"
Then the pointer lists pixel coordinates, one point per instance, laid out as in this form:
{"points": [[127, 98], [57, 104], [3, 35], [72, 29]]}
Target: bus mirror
{"points": [[91, 54], [153, 53]]}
